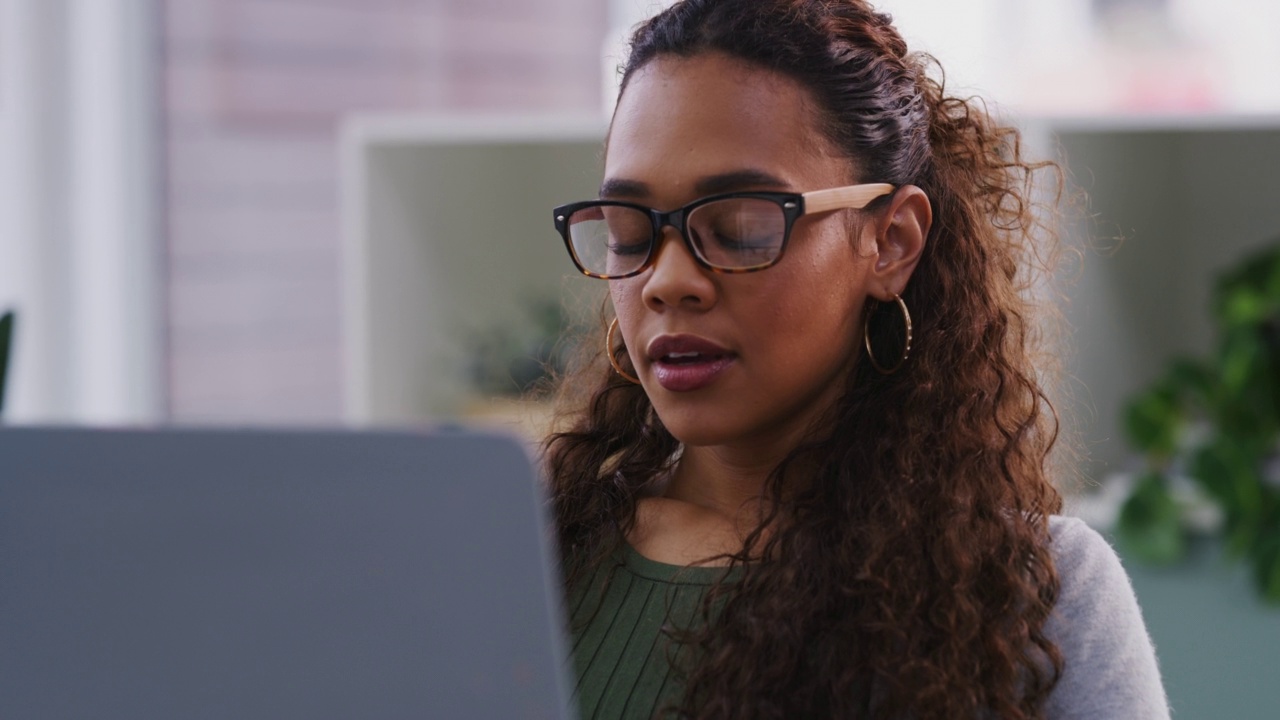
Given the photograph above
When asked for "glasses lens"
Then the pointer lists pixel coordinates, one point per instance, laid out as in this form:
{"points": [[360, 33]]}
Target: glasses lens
{"points": [[738, 233], [610, 239]]}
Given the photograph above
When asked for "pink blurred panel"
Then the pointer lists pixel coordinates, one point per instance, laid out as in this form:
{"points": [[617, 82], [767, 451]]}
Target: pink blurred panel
{"points": [[253, 93], [254, 381], [224, 233], [209, 168], [279, 291]]}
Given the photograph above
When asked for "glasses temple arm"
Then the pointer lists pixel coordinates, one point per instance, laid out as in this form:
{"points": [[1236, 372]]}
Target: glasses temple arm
{"points": [[851, 196]]}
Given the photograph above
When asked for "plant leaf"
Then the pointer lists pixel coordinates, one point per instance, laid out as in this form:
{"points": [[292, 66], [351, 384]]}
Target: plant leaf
{"points": [[1250, 290], [1150, 524], [1194, 378], [1224, 471], [1152, 421], [1266, 566]]}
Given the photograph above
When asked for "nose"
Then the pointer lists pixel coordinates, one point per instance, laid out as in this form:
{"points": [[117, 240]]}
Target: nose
{"points": [[675, 279]]}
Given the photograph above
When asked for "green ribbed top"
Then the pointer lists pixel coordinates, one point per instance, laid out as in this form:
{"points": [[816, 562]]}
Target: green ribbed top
{"points": [[622, 657]]}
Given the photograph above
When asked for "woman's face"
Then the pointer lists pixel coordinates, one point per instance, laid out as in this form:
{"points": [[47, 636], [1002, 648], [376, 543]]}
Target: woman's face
{"points": [[748, 359]]}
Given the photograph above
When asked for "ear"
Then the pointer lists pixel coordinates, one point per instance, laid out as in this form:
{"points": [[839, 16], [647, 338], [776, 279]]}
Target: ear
{"points": [[900, 236]]}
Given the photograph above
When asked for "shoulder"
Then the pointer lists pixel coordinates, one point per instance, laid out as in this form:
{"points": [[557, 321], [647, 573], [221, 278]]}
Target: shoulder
{"points": [[1083, 556], [1110, 666]]}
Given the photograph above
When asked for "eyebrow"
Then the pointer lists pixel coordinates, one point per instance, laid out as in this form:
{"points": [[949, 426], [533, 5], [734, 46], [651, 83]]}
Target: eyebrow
{"points": [[711, 185]]}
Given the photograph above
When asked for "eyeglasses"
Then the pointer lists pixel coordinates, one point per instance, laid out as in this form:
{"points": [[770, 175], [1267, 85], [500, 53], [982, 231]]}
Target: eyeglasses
{"points": [[731, 233]]}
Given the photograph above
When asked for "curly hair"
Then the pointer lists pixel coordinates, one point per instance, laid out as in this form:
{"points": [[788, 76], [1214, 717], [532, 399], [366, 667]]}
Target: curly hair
{"points": [[909, 572]]}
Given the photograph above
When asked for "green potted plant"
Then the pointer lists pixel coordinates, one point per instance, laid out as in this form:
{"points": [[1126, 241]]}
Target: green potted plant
{"points": [[1213, 425], [512, 361]]}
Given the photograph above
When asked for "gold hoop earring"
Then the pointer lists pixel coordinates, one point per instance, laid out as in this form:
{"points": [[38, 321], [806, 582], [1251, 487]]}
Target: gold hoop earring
{"points": [[613, 357], [906, 348]]}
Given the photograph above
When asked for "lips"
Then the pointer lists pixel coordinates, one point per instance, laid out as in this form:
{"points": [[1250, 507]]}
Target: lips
{"points": [[683, 363]]}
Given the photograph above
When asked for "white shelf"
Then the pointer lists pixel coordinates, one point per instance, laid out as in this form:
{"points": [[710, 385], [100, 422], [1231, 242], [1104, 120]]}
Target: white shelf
{"points": [[1172, 202], [448, 232]]}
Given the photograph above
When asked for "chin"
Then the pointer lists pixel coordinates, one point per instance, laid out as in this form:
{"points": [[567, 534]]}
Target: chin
{"points": [[687, 429], [699, 430], [701, 438]]}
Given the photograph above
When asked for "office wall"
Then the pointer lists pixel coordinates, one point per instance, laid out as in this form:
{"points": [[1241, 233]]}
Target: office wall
{"points": [[254, 92]]}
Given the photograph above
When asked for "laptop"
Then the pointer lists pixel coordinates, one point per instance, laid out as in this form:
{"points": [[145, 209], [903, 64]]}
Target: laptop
{"points": [[275, 574]]}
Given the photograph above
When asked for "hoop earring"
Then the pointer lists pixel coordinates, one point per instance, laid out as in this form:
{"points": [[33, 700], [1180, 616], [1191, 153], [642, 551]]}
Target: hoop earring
{"points": [[906, 348], [613, 358]]}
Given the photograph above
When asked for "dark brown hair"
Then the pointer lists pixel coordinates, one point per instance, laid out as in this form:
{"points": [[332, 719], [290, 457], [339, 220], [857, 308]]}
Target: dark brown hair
{"points": [[909, 573]]}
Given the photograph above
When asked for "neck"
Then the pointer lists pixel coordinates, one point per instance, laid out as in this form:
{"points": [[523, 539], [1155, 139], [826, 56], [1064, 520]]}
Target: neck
{"points": [[732, 485], [712, 502]]}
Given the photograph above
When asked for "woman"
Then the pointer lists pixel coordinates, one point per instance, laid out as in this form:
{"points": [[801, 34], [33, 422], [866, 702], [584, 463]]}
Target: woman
{"points": [[811, 480]]}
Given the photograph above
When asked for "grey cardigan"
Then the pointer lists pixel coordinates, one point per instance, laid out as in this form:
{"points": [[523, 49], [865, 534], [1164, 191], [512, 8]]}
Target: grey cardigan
{"points": [[1110, 665]]}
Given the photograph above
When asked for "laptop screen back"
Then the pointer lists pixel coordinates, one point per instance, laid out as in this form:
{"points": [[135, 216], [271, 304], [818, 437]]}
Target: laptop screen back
{"points": [[199, 574]]}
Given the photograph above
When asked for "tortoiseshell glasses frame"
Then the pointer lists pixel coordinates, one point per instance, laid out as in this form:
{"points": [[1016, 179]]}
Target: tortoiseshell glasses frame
{"points": [[593, 230]]}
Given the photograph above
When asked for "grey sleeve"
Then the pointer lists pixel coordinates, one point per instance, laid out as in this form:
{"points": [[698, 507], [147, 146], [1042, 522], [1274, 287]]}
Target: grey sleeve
{"points": [[1110, 666]]}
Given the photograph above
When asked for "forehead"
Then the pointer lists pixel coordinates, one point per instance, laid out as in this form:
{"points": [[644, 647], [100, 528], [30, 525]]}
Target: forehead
{"points": [[681, 119]]}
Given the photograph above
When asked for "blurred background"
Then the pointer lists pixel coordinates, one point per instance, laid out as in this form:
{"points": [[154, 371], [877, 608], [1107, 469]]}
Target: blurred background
{"points": [[171, 228], [184, 184], [337, 212]]}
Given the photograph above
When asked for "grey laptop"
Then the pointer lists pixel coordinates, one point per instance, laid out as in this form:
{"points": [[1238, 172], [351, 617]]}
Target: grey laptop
{"points": [[204, 574]]}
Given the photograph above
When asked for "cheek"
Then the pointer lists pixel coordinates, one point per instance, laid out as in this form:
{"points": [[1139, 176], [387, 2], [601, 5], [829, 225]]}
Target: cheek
{"points": [[812, 321], [828, 285], [627, 303], [820, 311], [624, 294]]}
